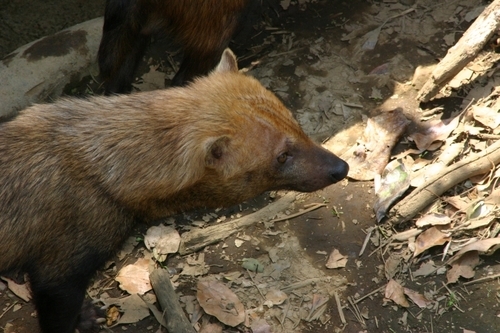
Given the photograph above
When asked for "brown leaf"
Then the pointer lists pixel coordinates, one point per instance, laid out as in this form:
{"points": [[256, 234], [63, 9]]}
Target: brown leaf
{"points": [[486, 116], [219, 301], [417, 298], [131, 308], [336, 260], [395, 292], [20, 290], [479, 223], [463, 267], [211, 328], [482, 246], [261, 326], [458, 202], [406, 235], [494, 197], [433, 219], [391, 266], [134, 308], [435, 133], [162, 240], [135, 278], [425, 269], [429, 238], [275, 297], [370, 155], [152, 80]]}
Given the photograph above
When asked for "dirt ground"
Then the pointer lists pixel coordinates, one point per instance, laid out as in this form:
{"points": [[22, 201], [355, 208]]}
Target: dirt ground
{"points": [[312, 56]]}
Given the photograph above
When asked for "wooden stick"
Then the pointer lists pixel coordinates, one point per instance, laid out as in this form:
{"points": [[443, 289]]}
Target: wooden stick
{"points": [[466, 49], [173, 314], [475, 164], [197, 239]]}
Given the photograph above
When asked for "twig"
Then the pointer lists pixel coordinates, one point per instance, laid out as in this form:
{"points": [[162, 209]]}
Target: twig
{"points": [[365, 243], [481, 280], [339, 308], [356, 301], [356, 312], [255, 285], [6, 310], [452, 294], [305, 211]]}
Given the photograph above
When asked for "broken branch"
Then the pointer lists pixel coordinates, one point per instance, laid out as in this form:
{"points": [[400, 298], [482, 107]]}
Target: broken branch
{"points": [[422, 196], [466, 49], [197, 239], [173, 314]]}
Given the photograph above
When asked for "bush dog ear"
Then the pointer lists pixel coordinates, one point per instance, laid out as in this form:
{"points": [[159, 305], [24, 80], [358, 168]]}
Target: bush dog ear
{"points": [[217, 151], [228, 62]]}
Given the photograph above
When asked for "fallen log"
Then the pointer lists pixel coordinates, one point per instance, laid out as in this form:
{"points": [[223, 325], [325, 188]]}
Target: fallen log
{"points": [[173, 315], [466, 49], [424, 195]]}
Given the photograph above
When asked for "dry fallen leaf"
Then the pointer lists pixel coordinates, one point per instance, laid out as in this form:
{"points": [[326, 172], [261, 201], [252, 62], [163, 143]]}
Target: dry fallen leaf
{"points": [[132, 308], [154, 310], [479, 223], [219, 301], [436, 132], [482, 246], [336, 260], [163, 240], [20, 290], [135, 278], [395, 292], [261, 326], [458, 202], [152, 80], [211, 328], [391, 266], [407, 234], [417, 298], [429, 238], [463, 267], [494, 197], [195, 267], [432, 219], [425, 269], [9, 328], [486, 116], [370, 155], [275, 297]]}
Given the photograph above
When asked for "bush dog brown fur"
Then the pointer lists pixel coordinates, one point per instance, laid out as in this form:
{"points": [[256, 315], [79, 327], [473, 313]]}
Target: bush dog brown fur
{"points": [[202, 28], [77, 174]]}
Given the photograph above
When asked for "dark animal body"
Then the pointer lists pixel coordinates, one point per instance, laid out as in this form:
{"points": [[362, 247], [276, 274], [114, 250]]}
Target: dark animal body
{"points": [[77, 174], [202, 28]]}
